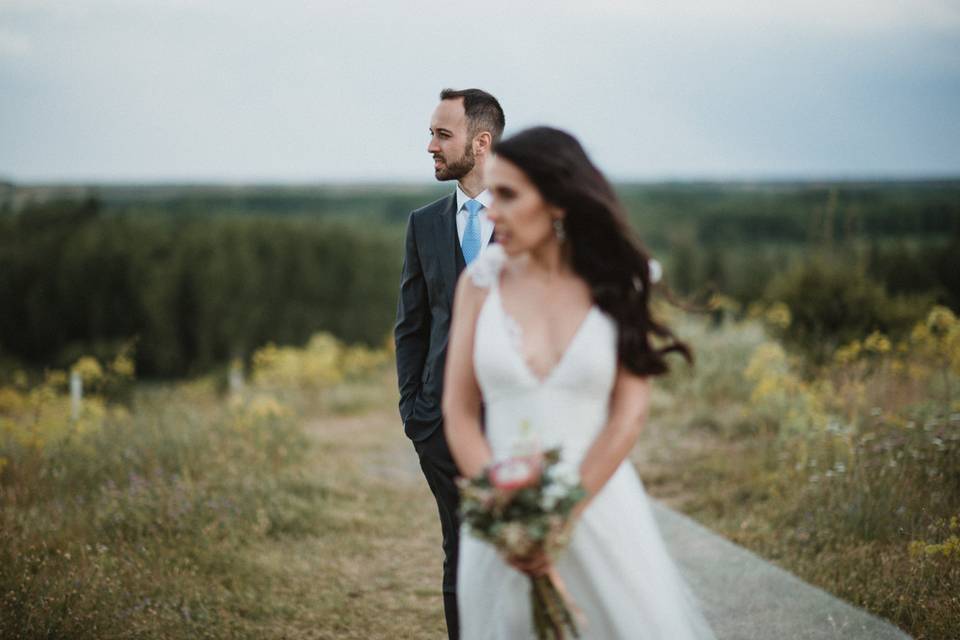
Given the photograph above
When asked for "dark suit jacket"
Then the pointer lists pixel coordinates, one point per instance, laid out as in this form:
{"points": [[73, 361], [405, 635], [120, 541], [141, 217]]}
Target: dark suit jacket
{"points": [[432, 263]]}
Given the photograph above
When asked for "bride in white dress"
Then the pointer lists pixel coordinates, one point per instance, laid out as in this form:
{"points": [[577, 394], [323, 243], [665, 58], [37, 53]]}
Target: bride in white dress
{"points": [[551, 328]]}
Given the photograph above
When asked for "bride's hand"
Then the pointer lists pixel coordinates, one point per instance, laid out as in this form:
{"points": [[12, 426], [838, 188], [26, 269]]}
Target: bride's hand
{"points": [[574, 518], [536, 564]]}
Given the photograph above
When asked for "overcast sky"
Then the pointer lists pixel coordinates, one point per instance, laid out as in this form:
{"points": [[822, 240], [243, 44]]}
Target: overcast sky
{"points": [[158, 90]]}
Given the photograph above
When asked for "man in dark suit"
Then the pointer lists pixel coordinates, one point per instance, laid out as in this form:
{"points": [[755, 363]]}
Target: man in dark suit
{"points": [[442, 238]]}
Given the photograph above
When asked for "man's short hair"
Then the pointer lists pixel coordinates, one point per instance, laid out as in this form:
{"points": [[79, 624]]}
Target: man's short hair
{"points": [[482, 110]]}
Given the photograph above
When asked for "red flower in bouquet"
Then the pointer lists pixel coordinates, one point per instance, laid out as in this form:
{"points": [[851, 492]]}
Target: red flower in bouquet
{"points": [[521, 505], [516, 473]]}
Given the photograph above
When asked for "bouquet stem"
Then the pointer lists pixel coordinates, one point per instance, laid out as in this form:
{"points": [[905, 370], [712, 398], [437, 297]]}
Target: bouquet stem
{"points": [[553, 611]]}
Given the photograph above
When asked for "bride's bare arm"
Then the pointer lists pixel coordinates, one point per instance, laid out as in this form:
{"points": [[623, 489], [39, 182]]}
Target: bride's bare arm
{"points": [[461, 393], [629, 404]]}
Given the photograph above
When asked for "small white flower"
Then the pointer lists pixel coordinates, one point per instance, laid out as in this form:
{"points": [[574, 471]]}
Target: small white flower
{"points": [[565, 474], [552, 494]]}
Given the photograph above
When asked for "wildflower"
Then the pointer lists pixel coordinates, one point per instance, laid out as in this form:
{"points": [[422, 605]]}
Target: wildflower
{"points": [[88, 368], [778, 314], [55, 378], [941, 320], [768, 357], [847, 353], [11, 401], [265, 407], [877, 343], [122, 366]]}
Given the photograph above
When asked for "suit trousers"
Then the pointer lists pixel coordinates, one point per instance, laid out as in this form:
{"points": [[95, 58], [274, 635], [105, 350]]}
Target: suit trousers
{"points": [[440, 470]]}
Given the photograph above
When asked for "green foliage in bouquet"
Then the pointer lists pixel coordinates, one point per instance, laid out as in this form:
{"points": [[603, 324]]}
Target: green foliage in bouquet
{"points": [[523, 511], [523, 505]]}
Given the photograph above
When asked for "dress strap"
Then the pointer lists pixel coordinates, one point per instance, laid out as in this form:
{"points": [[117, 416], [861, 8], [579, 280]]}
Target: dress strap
{"points": [[484, 271]]}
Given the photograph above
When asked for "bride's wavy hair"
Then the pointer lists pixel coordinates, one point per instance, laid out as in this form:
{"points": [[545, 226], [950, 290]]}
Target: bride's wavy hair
{"points": [[604, 251]]}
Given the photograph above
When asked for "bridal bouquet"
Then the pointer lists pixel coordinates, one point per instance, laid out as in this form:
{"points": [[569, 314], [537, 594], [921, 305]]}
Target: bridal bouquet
{"points": [[522, 505]]}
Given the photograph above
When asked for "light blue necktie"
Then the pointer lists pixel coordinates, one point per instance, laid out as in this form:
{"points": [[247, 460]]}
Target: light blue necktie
{"points": [[471, 234]]}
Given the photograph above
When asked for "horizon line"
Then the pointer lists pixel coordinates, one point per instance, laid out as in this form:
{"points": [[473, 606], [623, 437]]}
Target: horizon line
{"points": [[222, 181]]}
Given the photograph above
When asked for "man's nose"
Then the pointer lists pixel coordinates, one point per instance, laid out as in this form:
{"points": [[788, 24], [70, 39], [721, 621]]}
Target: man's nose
{"points": [[433, 146]]}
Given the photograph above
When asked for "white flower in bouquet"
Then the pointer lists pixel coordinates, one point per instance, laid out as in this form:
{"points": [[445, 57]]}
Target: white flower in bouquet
{"points": [[522, 505], [553, 493], [565, 474]]}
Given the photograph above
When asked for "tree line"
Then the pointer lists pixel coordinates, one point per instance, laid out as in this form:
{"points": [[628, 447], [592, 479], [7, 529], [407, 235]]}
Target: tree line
{"points": [[197, 276], [192, 292]]}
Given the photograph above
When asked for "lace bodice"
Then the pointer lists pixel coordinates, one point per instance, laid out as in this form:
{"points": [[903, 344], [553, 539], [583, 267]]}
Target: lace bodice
{"points": [[568, 406]]}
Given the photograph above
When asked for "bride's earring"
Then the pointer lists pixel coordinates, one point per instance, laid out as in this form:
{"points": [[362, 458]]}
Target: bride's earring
{"points": [[559, 230]]}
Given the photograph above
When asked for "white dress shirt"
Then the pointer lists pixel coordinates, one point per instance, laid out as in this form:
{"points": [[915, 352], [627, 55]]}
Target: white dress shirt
{"points": [[486, 226]]}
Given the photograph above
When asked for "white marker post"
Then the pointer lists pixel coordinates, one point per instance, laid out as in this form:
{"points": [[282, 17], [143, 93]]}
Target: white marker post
{"points": [[76, 394], [235, 378]]}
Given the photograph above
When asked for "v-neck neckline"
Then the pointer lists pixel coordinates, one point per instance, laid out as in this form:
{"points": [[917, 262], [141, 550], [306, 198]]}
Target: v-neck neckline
{"points": [[517, 347]]}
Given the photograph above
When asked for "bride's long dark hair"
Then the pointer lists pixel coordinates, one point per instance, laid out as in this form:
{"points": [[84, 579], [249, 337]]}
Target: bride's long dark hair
{"points": [[604, 251]]}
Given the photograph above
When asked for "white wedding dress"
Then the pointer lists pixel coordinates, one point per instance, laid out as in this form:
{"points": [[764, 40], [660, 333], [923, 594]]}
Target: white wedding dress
{"points": [[616, 567]]}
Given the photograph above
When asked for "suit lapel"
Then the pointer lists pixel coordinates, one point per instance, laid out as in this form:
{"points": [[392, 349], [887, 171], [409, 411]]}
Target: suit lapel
{"points": [[445, 241]]}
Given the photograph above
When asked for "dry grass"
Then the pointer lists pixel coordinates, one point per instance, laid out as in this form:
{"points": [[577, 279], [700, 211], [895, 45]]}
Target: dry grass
{"points": [[864, 506], [190, 521], [305, 515], [373, 568]]}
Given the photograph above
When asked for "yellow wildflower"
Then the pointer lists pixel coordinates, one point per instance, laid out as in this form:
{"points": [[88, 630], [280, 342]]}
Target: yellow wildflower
{"points": [[88, 368], [847, 353], [122, 366], [721, 302], [264, 407], [12, 402], [766, 357], [56, 378], [941, 320], [755, 310], [877, 343], [778, 314]]}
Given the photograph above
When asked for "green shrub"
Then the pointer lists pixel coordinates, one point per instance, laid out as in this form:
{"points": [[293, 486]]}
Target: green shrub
{"points": [[832, 303]]}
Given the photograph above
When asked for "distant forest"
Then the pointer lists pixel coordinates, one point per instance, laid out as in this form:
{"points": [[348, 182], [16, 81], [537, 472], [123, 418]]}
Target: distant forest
{"points": [[196, 275]]}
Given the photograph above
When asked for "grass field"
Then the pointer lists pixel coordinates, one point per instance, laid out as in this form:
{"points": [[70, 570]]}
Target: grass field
{"points": [[848, 477], [294, 513], [345, 546], [295, 508]]}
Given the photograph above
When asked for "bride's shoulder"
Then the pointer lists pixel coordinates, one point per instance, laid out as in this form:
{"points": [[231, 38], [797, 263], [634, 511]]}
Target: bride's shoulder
{"points": [[484, 271]]}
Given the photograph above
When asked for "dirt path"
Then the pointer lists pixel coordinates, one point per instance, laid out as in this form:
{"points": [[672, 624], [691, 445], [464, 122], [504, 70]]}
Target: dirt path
{"points": [[374, 569], [374, 572]]}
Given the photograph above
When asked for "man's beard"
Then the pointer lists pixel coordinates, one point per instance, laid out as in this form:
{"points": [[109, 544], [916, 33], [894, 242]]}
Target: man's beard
{"points": [[459, 168]]}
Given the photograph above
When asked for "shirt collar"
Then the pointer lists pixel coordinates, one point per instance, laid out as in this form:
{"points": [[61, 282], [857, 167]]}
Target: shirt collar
{"points": [[483, 198]]}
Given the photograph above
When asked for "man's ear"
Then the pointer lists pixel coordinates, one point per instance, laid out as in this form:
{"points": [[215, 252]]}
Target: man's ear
{"points": [[482, 143]]}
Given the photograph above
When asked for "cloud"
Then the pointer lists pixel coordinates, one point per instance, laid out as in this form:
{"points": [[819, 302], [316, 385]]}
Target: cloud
{"points": [[13, 44], [827, 15], [344, 89]]}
